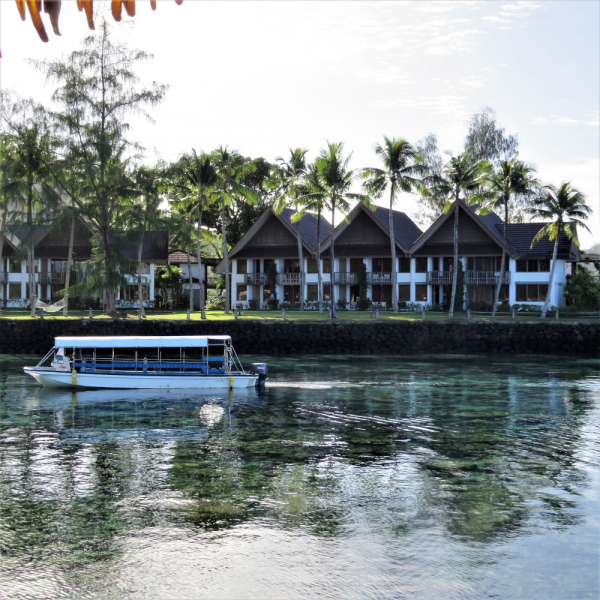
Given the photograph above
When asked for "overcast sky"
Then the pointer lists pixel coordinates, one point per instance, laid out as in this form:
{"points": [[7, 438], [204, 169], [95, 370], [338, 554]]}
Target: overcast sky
{"points": [[265, 76]]}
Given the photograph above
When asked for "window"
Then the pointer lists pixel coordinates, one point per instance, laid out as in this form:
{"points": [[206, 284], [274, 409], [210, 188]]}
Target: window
{"points": [[14, 291], [311, 266], [326, 265], [404, 293], [312, 292], [242, 266], [291, 265], [242, 292], [404, 265], [15, 267], [421, 293], [533, 266], [421, 264], [532, 292]]}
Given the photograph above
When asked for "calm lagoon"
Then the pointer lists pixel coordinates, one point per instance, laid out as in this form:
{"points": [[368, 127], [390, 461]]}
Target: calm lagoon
{"points": [[364, 477]]}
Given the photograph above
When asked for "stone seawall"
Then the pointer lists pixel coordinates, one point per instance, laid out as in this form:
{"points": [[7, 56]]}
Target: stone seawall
{"points": [[284, 337]]}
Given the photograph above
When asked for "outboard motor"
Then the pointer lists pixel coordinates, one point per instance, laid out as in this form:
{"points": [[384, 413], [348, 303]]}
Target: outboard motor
{"points": [[262, 370]]}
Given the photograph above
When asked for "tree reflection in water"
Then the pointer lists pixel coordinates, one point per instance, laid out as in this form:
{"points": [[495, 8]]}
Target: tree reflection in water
{"points": [[480, 451]]}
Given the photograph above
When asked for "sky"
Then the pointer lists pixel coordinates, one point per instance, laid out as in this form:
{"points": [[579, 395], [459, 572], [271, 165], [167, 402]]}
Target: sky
{"points": [[262, 77]]}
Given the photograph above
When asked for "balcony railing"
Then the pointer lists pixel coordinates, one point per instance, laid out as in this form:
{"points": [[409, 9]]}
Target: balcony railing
{"points": [[439, 277], [255, 278], [377, 278], [59, 278], [289, 278], [486, 277], [345, 278]]}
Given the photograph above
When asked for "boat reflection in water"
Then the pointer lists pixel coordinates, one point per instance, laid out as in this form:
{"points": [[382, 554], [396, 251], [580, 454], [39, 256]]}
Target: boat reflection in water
{"points": [[141, 415]]}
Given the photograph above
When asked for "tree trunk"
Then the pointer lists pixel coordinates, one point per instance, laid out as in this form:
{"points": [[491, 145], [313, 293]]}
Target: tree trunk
{"points": [[455, 262], [199, 254], [69, 263], [331, 285], [190, 278], [301, 260], [110, 293], [139, 274], [30, 251], [226, 259], [2, 271], [319, 266], [393, 244], [502, 263], [546, 306]]}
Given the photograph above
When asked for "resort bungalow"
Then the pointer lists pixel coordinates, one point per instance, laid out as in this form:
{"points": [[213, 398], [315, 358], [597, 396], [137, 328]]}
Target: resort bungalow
{"points": [[273, 239], [480, 244], [424, 260], [51, 245]]}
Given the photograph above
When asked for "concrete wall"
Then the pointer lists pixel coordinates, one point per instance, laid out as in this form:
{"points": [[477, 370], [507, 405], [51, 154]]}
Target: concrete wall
{"points": [[280, 337]]}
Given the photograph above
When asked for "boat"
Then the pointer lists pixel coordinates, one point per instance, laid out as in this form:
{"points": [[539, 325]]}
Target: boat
{"points": [[146, 362]]}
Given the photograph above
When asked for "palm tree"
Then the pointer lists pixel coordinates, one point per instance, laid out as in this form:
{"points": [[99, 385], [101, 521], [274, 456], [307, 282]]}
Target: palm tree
{"points": [[231, 169], [287, 178], [196, 177], [144, 214], [311, 199], [567, 208], [334, 180], [459, 176], [402, 172], [512, 180]]}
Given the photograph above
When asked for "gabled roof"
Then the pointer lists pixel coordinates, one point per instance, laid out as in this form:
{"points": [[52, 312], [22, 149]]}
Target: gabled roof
{"points": [[179, 257], [405, 230], [307, 226], [155, 247], [520, 236], [488, 223]]}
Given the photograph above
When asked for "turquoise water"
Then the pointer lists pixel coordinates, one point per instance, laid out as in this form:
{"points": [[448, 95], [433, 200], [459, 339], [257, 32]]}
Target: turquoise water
{"points": [[376, 477]]}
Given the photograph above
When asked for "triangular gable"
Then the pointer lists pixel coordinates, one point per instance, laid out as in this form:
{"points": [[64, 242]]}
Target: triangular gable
{"points": [[442, 231], [284, 234], [370, 225]]}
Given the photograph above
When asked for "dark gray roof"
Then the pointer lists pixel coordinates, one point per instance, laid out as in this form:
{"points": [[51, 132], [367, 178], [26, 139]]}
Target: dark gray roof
{"points": [[405, 230], [156, 246], [307, 226], [19, 230], [520, 236]]}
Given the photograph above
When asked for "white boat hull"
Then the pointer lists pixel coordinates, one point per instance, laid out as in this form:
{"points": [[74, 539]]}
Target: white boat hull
{"points": [[133, 381]]}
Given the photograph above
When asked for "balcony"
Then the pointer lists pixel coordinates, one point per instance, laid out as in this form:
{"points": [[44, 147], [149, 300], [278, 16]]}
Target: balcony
{"points": [[439, 277], [377, 278], [59, 278], [289, 278], [345, 278], [255, 279], [486, 277]]}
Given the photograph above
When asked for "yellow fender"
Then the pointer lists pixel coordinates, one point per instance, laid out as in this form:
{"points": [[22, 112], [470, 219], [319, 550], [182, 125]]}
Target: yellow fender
{"points": [[74, 377], [231, 383]]}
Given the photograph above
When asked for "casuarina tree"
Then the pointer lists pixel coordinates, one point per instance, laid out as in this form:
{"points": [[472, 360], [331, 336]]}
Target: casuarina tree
{"points": [[97, 90]]}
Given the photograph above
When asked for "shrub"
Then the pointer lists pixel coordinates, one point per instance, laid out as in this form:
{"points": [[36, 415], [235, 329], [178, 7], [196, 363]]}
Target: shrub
{"points": [[582, 290], [364, 303], [341, 304], [253, 304], [215, 304]]}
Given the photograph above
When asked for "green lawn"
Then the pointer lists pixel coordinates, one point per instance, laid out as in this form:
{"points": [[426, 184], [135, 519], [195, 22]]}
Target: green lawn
{"points": [[290, 315]]}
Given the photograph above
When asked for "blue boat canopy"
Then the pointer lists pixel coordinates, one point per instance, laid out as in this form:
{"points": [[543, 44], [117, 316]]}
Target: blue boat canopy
{"points": [[145, 341]]}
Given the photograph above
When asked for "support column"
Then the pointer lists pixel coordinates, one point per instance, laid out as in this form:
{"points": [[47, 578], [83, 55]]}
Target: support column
{"points": [[512, 286], [151, 290], [413, 289]]}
